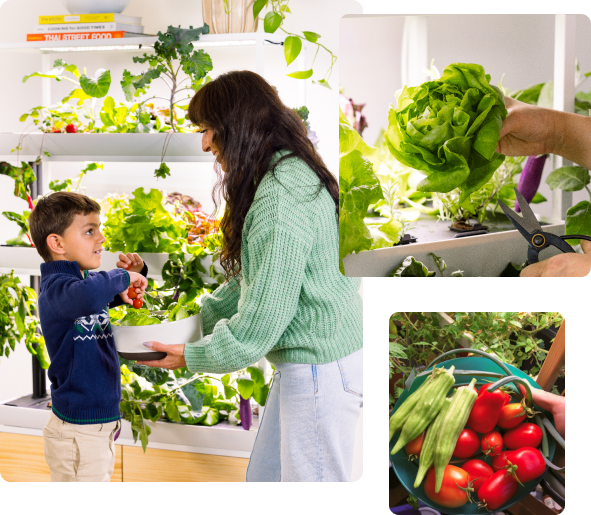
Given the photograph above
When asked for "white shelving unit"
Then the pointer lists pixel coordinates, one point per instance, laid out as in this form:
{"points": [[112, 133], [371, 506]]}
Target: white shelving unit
{"points": [[182, 147]]}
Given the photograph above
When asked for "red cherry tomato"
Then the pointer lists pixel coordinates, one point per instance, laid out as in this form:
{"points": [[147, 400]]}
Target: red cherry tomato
{"points": [[497, 490], [413, 448], [71, 128], [138, 303], [131, 293], [491, 443], [524, 435], [451, 494], [529, 462], [511, 415], [478, 472], [467, 445], [498, 462]]}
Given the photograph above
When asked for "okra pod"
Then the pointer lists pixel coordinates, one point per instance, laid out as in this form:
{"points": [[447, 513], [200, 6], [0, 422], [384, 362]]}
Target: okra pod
{"points": [[399, 417], [426, 409]]}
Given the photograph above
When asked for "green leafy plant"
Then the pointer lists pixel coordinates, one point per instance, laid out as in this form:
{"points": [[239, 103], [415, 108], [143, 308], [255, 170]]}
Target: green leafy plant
{"points": [[173, 52], [183, 397], [483, 202], [17, 322], [410, 267], [417, 338], [574, 178], [278, 9], [449, 129], [143, 223], [358, 188], [57, 118]]}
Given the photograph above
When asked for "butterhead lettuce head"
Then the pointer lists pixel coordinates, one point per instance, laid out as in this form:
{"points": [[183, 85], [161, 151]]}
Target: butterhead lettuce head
{"points": [[449, 129]]}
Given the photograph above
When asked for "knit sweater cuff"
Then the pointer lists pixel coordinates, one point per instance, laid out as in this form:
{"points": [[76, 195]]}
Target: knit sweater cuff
{"points": [[196, 354]]}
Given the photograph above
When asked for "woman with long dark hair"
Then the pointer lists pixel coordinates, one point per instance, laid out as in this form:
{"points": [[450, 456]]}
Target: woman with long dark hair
{"points": [[284, 296]]}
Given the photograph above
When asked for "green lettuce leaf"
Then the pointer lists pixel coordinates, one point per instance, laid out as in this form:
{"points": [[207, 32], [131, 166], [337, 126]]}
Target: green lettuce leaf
{"points": [[449, 129]]}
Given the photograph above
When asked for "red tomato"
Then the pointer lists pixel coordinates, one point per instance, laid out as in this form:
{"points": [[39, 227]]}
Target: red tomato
{"points": [[497, 490], [529, 462], [451, 494], [413, 448], [71, 128], [486, 410], [131, 293], [498, 462], [491, 443], [138, 303], [524, 435], [467, 445], [511, 415], [478, 472]]}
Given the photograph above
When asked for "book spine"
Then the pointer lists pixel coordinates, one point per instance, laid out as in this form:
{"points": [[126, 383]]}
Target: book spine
{"points": [[89, 27], [74, 36], [77, 18]]}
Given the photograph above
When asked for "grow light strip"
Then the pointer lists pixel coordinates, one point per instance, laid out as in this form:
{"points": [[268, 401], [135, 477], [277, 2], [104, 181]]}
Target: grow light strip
{"points": [[245, 42]]}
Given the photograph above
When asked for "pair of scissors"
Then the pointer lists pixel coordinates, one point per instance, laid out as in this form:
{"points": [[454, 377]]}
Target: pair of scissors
{"points": [[531, 230]]}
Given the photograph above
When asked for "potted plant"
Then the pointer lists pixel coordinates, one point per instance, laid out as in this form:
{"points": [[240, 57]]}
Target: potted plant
{"points": [[229, 16]]}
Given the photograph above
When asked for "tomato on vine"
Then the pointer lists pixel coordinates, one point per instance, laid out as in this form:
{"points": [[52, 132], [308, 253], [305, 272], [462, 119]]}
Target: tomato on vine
{"points": [[497, 490], [512, 415], [492, 443], [455, 488], [478, 471]]}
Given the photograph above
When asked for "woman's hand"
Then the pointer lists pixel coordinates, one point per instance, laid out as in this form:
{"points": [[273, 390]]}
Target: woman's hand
{"points": [[131, 262], [562, 265], [555, 404], [175, 356]]}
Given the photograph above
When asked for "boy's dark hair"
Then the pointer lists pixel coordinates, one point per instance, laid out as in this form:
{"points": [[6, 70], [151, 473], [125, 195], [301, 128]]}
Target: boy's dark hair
{"points": [[54, 213]]}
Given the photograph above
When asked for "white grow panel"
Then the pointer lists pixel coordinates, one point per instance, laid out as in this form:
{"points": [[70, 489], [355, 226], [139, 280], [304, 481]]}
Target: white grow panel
{"points": [[185, 147], [486, 255]]}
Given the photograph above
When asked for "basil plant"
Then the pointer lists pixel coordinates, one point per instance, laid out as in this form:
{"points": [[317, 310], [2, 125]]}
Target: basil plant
{"points": [[449, 129]]}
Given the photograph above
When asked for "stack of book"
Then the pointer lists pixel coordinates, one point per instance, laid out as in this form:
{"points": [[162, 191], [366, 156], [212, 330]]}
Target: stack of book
{"points": [[75, 27]]}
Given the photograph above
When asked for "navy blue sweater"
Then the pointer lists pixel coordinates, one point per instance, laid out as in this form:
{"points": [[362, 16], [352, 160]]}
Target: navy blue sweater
{"points": [[84, 371]]}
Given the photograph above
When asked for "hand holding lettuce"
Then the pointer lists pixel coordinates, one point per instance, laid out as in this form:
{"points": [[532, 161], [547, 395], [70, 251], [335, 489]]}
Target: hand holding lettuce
{"points": [[449, 129]]}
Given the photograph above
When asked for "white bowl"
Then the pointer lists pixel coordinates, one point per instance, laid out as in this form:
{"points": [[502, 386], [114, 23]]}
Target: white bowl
{"points": [[95, 6], [129, 339]]}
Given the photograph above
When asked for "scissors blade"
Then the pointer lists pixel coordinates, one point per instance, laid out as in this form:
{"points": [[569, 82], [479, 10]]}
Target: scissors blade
{"points": [[526, 224], [529, 220]]}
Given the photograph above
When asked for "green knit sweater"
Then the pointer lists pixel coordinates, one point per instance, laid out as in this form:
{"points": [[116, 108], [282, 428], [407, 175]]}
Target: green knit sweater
{"points": [[292, 304]]}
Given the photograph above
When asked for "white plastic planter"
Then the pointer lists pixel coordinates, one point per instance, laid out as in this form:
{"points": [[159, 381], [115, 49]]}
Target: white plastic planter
{"points": [[129, 339], [486, 255]]}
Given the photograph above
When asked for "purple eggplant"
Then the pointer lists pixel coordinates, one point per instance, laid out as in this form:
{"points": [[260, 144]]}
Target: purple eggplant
{"points": [[245, 413], [530, 179]]}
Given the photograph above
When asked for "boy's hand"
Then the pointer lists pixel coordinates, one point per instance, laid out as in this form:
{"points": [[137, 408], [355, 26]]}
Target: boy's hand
{"points": [[130, 262], [138, 283]]}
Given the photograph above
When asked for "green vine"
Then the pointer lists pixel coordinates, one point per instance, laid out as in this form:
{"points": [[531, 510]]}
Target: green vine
{"points": [[293, 42]]}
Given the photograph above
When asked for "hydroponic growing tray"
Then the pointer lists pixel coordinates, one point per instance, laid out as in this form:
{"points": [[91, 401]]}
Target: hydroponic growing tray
{"points": [[484, 255]]}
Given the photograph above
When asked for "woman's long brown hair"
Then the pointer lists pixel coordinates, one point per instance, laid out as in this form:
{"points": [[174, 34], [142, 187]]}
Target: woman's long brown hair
{"points": [[250, 124]]}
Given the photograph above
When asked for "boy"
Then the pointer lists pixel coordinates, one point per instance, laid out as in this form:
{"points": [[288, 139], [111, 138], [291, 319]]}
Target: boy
{"points": [[73, 310]]}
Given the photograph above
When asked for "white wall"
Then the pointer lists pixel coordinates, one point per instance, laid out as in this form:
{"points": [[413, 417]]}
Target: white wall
{"points": [[519, 46]]}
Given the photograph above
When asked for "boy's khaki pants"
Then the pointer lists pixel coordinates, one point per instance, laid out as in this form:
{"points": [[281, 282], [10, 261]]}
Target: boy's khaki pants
{"points": [[79, 452]]}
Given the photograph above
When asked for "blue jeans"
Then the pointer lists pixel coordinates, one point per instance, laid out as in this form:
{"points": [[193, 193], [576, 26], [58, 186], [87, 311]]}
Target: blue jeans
{"points": [[307, 432]]}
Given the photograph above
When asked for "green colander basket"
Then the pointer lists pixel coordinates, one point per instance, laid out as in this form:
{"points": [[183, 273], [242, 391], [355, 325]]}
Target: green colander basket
{"points": [[407, 470]]}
